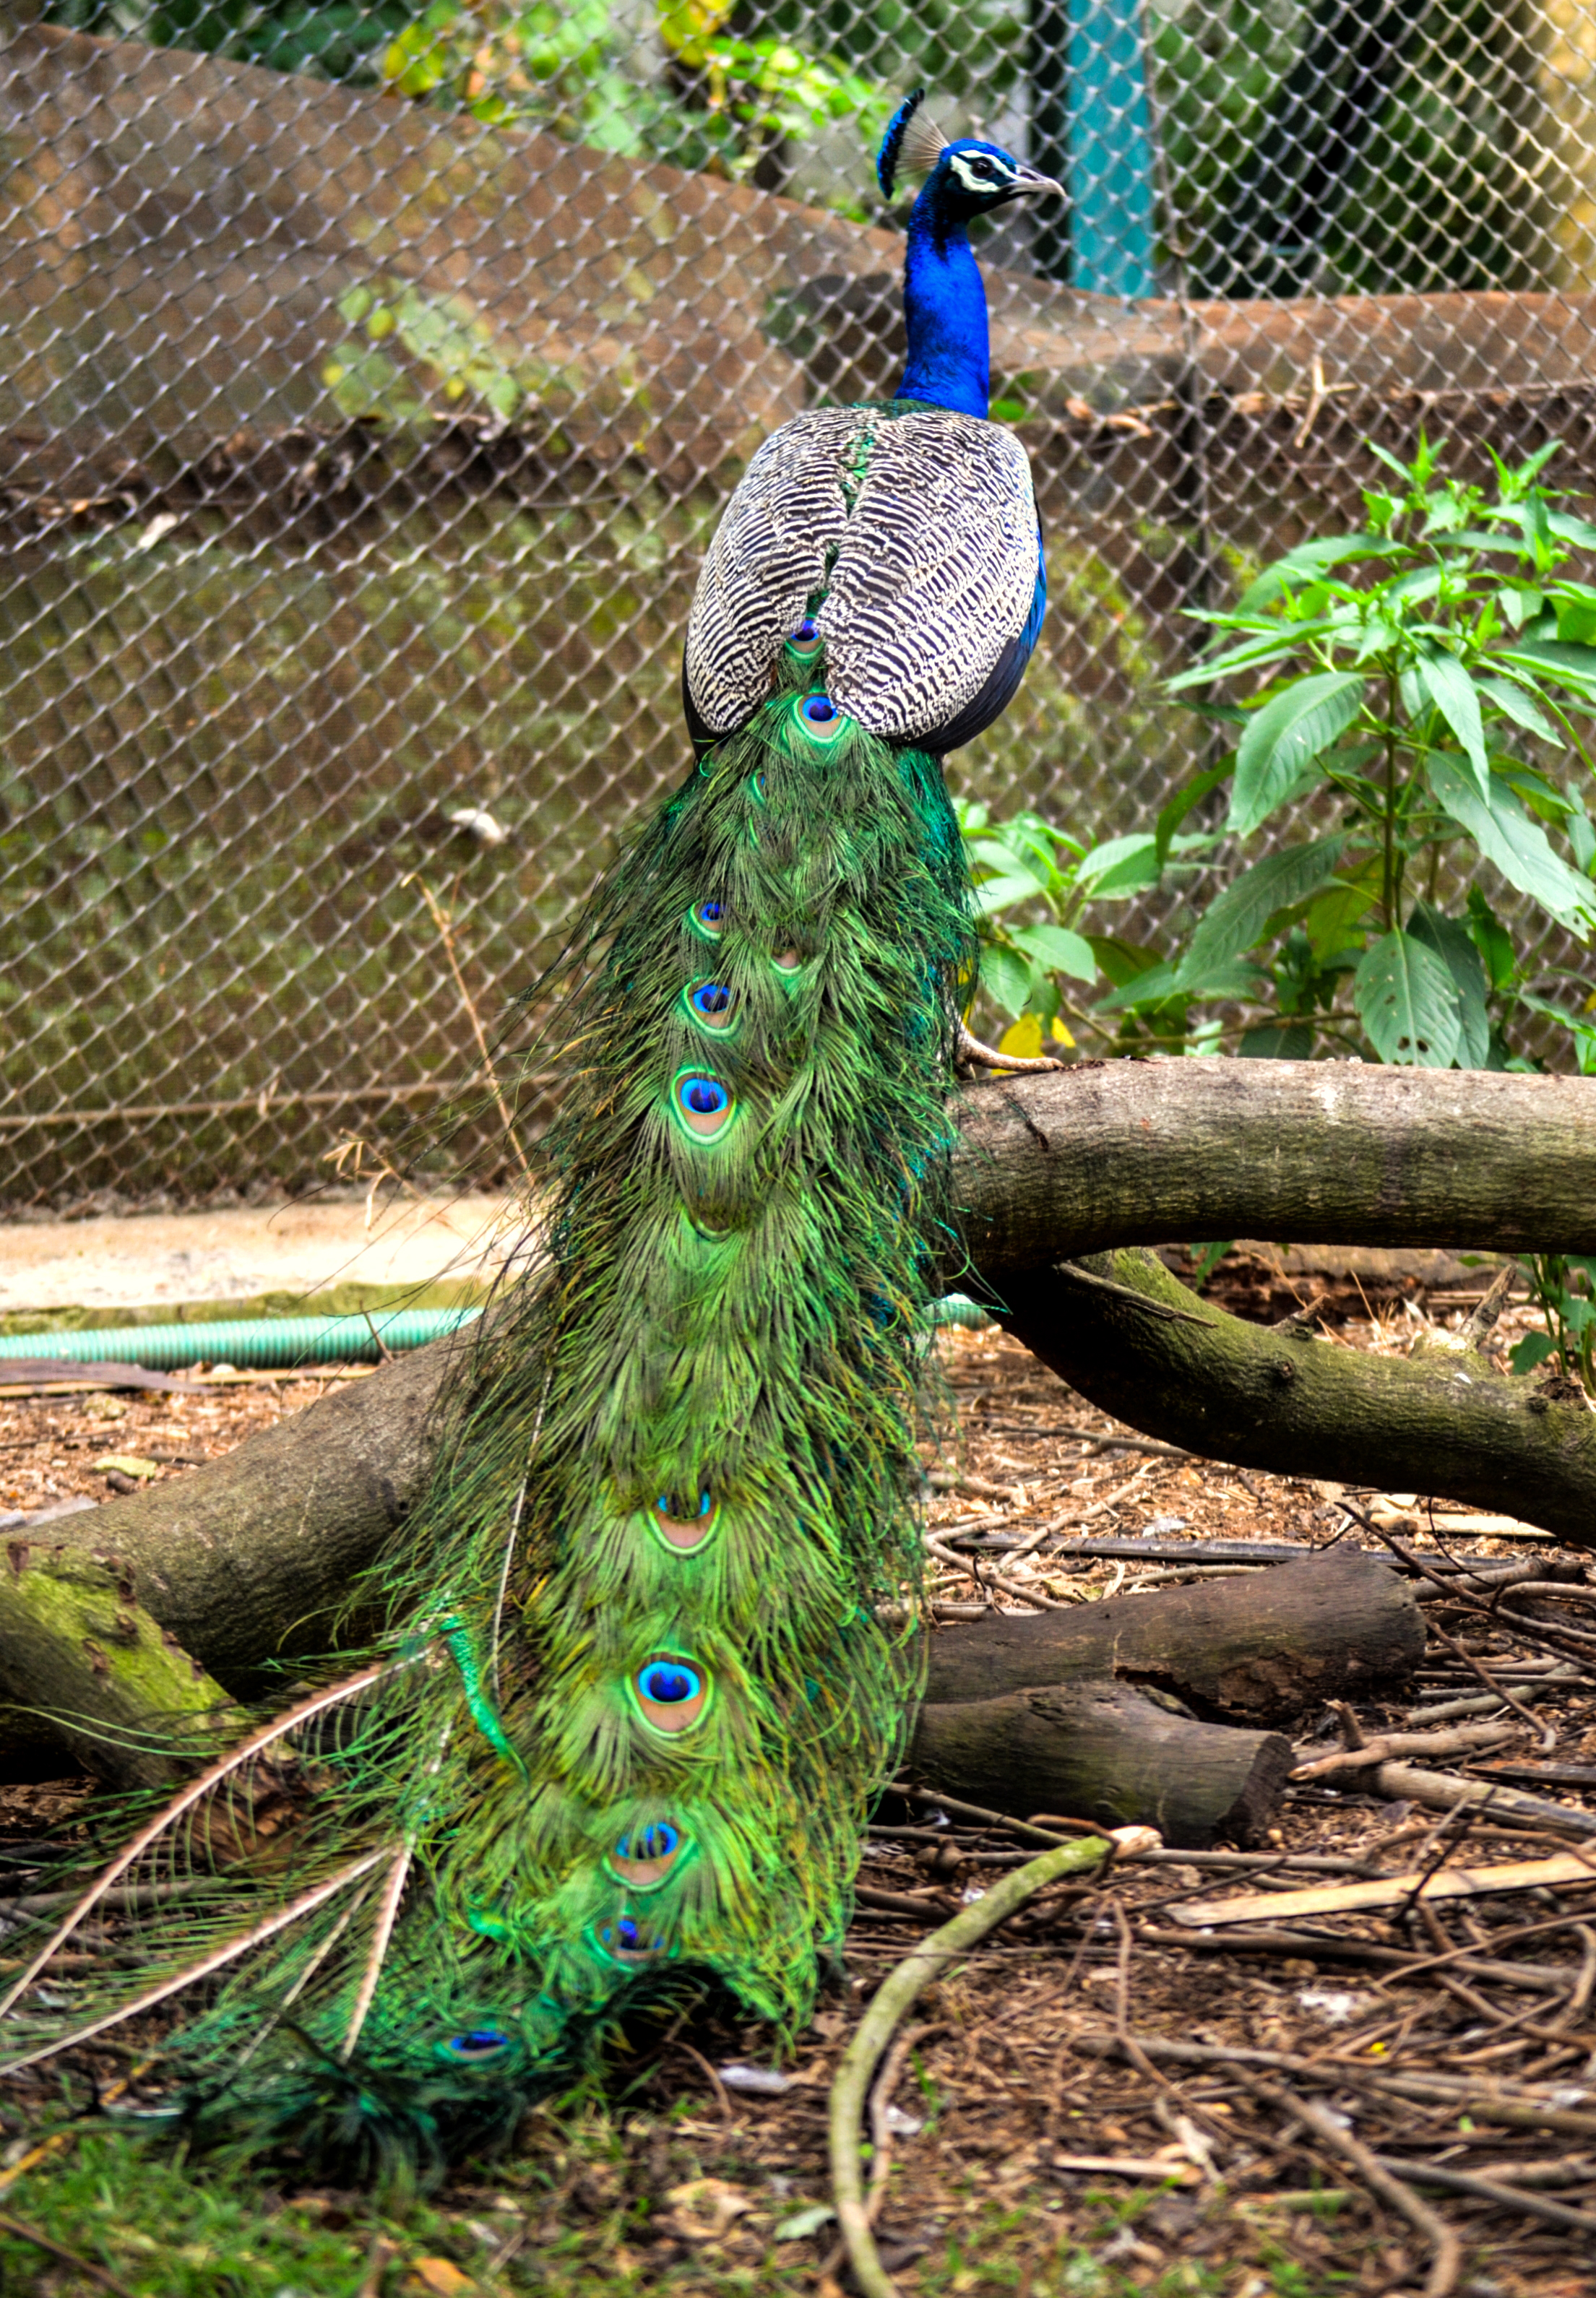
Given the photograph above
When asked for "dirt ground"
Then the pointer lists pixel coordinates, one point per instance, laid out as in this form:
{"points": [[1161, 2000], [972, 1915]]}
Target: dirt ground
{"points": [[1038, 2140]]}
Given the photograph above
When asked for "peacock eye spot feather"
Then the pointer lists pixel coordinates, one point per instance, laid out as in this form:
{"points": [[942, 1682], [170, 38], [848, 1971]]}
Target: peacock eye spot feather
{"points": [[806, 632], [655, 1840], [712, 1003], [703, 1103], [819, 709], [684, 1534], [707, 918], [478, 2042], [670, 1691], [666, 1684], [629, 1939]]}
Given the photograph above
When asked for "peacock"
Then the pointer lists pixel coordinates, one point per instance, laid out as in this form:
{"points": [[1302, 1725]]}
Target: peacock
{"points": [[648, 1656]]}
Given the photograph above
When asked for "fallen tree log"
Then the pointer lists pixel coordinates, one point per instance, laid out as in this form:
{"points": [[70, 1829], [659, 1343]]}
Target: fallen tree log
{"points": [[1127, 1335], [1260, 1649], [1299, 1153], [1106, 1752]]}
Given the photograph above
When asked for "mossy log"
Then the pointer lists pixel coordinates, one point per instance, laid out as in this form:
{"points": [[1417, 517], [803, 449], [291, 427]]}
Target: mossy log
{"points": [[122, 1693], [1140, 1344]]}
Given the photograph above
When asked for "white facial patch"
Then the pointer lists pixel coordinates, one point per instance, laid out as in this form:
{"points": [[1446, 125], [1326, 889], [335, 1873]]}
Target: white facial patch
{"points": [[980, 176]]}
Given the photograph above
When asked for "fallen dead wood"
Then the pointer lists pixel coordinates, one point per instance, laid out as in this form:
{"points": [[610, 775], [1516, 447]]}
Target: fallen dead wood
{"points": [[1260, 1650], [1445, 1790], [1105, 1752], [1463, 1739], [1566, 1868], [1485, 2101]]}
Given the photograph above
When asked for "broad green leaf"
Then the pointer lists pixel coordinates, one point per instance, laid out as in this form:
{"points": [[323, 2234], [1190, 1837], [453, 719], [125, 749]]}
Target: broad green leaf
{"points": [[1333, 918], [1491, 938], [1006, 979], [1309, 558], [1506, 836], [1121, 960], [1452, 691], [1058, 950], [1235, 981], [1514, 703], [1284, 737], [1236, 919], [1450, 940], [1576, 530], [1408, 1002], [1120, 866], [1533, 1350], [1581, 837], [1285, 640], [1175, 813], [994, 894], [1572, 666]]}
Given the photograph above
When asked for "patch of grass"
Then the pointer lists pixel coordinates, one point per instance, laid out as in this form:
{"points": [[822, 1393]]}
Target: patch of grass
{"points": [[171, 2232]]}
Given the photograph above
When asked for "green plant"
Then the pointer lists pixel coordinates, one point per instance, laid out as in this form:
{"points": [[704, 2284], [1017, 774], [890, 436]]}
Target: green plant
{"points": [[723, 103], [1033, 882], [1426, 679], [1564, 1285]]}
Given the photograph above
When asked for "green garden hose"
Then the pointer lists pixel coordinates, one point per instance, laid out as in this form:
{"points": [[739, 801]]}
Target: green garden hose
{"points": [[254, 1344]]}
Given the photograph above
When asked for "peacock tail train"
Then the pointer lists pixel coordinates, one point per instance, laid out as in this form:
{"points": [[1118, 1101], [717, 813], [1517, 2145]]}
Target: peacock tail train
{"points": [[659, 1659], [653, 1644]]}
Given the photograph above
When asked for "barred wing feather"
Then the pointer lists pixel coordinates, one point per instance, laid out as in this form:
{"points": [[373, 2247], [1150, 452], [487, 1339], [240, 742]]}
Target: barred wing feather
{"points": [[917, 532]]}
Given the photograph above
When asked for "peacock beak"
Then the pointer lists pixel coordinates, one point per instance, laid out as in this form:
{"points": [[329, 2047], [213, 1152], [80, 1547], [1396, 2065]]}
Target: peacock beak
{"points": [[1029, 181]]}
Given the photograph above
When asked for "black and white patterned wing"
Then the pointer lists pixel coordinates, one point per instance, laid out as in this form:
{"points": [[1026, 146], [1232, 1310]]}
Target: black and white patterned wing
{"points": [[766, 561], [920, 530], [937, 579]]}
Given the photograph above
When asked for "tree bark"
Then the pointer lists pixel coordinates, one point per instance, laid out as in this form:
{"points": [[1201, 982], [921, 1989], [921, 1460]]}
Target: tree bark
{"points": [[1302, 1152], [1279, 1398], [1259, 1650], [1106, 1752], [121, 1692]]}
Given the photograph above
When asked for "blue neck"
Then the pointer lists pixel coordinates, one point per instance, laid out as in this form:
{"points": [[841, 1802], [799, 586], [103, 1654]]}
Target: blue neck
{"points": [[945, 305]]}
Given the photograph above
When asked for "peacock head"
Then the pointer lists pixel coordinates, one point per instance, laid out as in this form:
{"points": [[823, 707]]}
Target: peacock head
{"points": [[965, 178]]}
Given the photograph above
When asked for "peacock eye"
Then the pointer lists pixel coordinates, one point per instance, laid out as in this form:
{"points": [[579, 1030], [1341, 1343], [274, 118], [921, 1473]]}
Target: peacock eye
{"points": [[628, 1939], [820, 709], [478, 2042], [669, 1682], [685, 1532], [657, 1840], [703, 1102], [711, 1001], [709, 917], [671, 1693]]}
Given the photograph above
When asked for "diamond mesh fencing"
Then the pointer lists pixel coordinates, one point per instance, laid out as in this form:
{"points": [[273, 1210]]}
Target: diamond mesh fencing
{"points": [[372, 376]]}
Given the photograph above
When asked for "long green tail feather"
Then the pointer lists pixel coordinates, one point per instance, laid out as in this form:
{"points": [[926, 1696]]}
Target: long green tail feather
{"points": [[646, 1749]]}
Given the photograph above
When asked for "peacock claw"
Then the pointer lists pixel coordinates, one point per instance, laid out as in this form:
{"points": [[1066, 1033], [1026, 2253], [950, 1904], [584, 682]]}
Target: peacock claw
{"points": [[969, 1053]]}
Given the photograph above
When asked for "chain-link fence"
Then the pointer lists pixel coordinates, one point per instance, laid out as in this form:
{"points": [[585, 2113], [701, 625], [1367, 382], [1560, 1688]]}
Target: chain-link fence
{"points": [[370, 377]]}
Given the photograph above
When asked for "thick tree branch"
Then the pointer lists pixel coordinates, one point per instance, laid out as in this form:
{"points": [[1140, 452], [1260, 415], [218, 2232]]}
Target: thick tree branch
{"points": [[1282, 1399], [1303, 1153]]}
